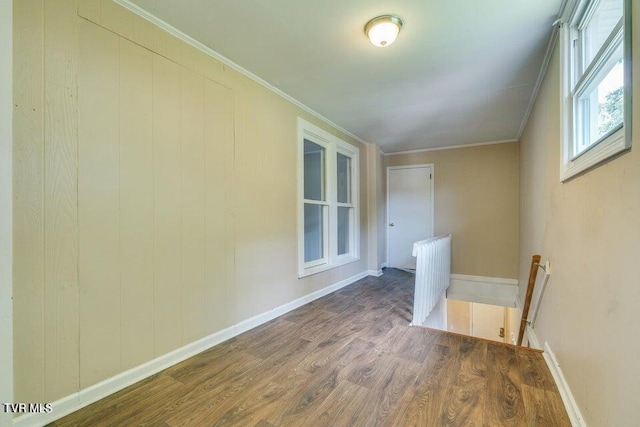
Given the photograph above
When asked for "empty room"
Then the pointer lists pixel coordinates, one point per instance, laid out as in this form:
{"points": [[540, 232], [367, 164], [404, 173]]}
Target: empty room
{"points": [[330, 213]]}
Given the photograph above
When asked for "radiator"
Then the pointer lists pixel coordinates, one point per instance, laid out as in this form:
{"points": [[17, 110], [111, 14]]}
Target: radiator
{"points": [[433, 271]]}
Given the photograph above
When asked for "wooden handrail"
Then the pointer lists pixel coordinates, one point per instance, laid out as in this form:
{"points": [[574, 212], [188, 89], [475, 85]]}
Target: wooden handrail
{"points": [[533, 273]]}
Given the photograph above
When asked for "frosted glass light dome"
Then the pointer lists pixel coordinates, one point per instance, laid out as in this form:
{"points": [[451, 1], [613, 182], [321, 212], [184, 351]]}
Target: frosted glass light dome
{"points": [[383, 30]]}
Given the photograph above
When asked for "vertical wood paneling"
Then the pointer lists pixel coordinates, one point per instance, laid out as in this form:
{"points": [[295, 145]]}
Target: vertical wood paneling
{"points": [[166, 45], [28, 203], [116, 18], [167, 209], [136, 203], [142, 32], [219, 225], [60, 199], [98, 196], [89, 9], [193, 206]]}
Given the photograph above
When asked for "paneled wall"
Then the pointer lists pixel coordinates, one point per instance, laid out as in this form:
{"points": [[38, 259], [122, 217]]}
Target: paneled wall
{"points": [[155, 196]]}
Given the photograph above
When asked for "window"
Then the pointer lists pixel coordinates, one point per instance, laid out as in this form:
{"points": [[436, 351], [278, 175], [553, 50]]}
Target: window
{"points": [[596, 83], [328, 201]]}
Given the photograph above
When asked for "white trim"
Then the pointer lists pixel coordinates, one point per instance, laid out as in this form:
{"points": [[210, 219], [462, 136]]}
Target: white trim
{"points": [[76, 401], [6, 207], [519, 303], [543, 72], [332, 145], [375, 273], [531, 337], [576, 418], [432, 171], [451, 147], [570, 405], [383, 265], [573, 80], [200, 46], [485, 279], [485, 290]]}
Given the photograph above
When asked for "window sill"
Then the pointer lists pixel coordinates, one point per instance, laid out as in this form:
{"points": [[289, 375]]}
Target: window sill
{"points": [[324, 267], [610, 147]]}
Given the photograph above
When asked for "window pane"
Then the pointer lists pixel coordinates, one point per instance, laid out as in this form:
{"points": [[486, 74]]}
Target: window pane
{"points": [[604, 19], [313, 171], [313, 232], [343, 230], [344, 179], [602, 107]]}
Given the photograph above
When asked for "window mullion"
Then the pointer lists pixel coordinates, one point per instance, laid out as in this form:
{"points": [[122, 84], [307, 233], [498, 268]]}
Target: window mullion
{"points": [[608, 48], [315, 202], [333, 198]]}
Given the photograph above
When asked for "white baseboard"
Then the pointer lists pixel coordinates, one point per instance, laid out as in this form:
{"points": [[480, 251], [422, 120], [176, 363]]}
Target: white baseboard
{"points": [[383, 265], [558, 377], [485, 290], [375, 273], [89, 395], [563, 387]]}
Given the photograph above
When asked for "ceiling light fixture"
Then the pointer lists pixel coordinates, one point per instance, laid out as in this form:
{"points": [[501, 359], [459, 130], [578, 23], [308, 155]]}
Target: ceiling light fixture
{"points": [[383, 30]]}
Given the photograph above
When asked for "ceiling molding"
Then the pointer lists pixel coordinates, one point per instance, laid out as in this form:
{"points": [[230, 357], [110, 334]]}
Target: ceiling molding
{"points": [[207, 50], [566, 8], [452, 147], [543, 72]]}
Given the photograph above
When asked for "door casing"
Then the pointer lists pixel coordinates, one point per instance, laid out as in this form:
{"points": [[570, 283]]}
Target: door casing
{"points": [[431, 168]]}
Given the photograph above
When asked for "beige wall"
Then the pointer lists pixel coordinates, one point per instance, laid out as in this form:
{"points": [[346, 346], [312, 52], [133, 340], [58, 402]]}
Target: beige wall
{"points": [[6, 226], [155, 196], [476, 200], [589, 229]]}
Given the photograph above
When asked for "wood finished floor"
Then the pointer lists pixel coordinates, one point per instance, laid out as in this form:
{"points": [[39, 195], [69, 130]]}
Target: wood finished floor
{"points": [[348, 359]]}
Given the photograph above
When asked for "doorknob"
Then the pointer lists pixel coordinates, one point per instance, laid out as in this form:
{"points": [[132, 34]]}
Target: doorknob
{"points": [[391, 224]]}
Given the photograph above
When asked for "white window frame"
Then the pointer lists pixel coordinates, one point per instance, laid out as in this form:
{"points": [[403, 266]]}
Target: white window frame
{"points": [[574, 82], [332, 145]]}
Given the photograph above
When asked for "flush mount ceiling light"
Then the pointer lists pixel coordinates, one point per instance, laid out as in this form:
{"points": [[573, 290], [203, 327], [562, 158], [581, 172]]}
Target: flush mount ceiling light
{"points": [[383, 30]]}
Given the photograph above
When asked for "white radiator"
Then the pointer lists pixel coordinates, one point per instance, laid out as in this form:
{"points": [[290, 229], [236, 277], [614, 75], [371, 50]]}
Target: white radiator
{"points": [[433, 271]]}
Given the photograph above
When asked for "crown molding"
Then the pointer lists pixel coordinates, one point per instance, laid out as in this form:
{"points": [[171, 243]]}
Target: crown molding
{"points": [[451, 147], [566, 7]]}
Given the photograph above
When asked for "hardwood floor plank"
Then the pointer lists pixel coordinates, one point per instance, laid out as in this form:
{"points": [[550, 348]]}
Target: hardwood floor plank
{"points": [[128, 404], [425, 406], [544, 408], [473, 360], [312, 396], [340, 408], [253, 406], [389, 390], [535, 372], [465, 404], [504, 404], [415, 345]]}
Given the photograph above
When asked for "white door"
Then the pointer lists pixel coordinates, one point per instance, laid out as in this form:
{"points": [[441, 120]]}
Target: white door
{"points": [[409, 212], [487, 321]]}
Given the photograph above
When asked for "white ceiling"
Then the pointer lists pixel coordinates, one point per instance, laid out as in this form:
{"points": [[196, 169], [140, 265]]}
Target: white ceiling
{"points": [[461, 71]]}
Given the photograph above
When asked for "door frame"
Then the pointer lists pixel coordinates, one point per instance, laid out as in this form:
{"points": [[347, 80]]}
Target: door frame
{"points": [[431, 168]]}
